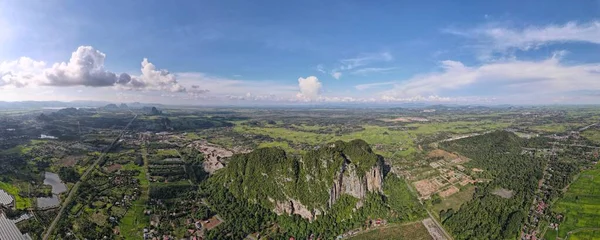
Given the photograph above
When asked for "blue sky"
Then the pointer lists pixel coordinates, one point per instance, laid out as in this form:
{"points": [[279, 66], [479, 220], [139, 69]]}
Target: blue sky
{"points": [[257, 52]]}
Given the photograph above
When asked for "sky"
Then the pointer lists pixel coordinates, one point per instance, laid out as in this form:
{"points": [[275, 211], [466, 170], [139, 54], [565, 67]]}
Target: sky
{"points": [[301, 52]]}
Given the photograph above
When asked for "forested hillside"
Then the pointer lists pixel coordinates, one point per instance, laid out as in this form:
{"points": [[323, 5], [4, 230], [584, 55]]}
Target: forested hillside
{"points": [[490, 216], [271, 178], [299, 192]]}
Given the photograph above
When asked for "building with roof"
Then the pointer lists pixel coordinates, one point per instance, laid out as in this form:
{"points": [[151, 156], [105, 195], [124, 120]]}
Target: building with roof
{"points": [[8, 230], [6, 199]]}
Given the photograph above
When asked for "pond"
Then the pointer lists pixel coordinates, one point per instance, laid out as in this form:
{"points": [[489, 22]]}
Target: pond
{"points": [[58, 187]]}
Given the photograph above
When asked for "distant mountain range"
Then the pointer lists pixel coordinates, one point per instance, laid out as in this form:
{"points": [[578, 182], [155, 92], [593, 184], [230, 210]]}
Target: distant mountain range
{"points": [[58, 104]]}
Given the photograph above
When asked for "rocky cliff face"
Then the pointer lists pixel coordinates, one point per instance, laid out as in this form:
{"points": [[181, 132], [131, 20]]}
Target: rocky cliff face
{"points": [[349, 182], [293, 206]]}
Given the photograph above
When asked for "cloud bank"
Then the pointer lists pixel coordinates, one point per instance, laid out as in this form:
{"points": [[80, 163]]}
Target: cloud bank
{"points": [[84, 68], [492, 38], [534, 78]]}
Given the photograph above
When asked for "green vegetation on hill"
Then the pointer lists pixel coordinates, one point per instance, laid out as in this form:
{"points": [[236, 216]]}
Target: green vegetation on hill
{"points": [[269, 174], [488, 216], [245, 192]]}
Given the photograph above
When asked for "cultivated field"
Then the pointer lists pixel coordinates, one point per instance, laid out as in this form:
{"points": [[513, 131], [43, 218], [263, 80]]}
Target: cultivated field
{"points": [[580, 207], [592, 134], [412, 231]]}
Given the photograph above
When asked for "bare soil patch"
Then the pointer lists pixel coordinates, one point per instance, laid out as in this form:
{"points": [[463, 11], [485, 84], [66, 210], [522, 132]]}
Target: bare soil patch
{"points": [[426, 187], [449, 192], [441, 153], [70, 161], [213, 155], [503, 193], [114, 167]]}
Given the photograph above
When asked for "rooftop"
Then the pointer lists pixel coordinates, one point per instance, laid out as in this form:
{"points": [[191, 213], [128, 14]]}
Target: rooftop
{"points": [[5, 198], [8, 230]]}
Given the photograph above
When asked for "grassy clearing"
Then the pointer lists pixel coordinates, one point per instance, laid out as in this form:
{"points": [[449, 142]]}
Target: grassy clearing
{"points": [[287, 134], [581, 204], [283, 145], [24, 148], [410, 231], [134, 221], [457, 127], [192, 136], [585, 235], [554, 127], [20, 202], [455, 200], [592, 134]]}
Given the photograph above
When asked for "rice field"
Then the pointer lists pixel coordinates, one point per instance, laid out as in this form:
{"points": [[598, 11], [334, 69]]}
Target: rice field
{"points": [[581, 207]]}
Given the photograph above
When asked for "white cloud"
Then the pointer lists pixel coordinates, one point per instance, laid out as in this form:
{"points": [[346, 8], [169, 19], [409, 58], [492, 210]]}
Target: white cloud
{"points": [[349, 64], [151, 79], [21, 72], [494, 38], [362, 60], [364, 71], [321, 69], [310, 88], [336, 75], [530, 78], [84, 68]]}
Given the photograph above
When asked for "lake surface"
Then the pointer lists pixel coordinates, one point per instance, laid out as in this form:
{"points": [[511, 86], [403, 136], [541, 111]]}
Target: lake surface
{"points": [[48, 202], [58, 187], [54, 180]]}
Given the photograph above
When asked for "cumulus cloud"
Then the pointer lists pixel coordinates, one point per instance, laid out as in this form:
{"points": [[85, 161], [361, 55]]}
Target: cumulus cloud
{"points": [[493, 38], [549, 76], [151, 79], [84, 68], [310, 88]]}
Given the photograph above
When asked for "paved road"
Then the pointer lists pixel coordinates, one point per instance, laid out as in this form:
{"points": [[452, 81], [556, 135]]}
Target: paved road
{"points": [[448, 236], [73, 191]]}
